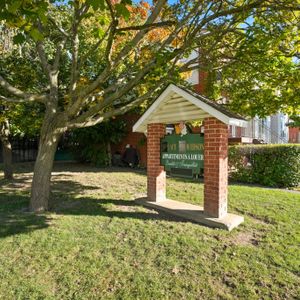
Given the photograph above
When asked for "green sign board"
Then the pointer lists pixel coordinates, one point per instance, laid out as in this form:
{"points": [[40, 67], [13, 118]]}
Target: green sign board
{"points": [[183, 155]]}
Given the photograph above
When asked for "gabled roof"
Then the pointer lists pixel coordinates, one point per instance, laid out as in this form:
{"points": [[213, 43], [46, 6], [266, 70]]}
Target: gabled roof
{"points": [[176, 104]]}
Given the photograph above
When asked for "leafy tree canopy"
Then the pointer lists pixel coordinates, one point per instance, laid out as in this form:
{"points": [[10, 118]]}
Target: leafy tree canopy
{"points": [[112, 38], [18, 66], [259, 67], [295, 121]]}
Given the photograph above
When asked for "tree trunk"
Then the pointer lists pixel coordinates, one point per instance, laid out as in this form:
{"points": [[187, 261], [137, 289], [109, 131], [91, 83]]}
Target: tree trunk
{"points": [[40, 189], [7, 158], [109, 156], [54, 125], [6, 151]]}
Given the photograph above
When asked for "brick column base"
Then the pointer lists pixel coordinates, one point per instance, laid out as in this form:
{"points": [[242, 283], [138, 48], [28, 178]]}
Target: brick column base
{"points": [[215, 167], [156, 176]]}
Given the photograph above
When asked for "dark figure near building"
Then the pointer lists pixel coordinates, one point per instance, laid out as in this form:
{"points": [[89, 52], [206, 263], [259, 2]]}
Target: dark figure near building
{"points": [[130, 157], [117, 159]]}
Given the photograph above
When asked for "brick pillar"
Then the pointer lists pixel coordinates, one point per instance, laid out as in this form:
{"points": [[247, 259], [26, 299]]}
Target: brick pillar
{"points": [[215, 167], [156, 176]]}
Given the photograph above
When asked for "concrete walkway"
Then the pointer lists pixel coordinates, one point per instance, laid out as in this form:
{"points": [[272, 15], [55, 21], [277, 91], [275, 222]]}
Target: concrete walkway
{"points": [[193, 213]]}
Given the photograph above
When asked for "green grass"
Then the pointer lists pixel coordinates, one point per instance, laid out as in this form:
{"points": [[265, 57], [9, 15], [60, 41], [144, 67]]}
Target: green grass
{"points": [[96, 243]]}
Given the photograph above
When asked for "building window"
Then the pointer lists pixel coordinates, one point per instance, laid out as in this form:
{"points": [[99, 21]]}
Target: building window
{"points": [[233, 131]]}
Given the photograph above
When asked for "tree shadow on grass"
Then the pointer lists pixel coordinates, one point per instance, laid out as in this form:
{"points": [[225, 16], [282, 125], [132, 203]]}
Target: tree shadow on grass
{"points": [[15, 218], [111, 208], [27, 167], [59, 185], [20, 222], [12, 224]]}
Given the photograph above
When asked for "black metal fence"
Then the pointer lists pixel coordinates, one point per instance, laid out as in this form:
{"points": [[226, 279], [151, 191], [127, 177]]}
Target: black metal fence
{"points": [[23, 149]]}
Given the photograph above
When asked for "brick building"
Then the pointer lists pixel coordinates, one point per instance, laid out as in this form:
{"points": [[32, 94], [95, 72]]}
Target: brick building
{"points": [[294, 135]]}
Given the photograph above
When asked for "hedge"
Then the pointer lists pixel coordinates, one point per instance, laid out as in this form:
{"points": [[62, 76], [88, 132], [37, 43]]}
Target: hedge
{"points": [[270, 165]]}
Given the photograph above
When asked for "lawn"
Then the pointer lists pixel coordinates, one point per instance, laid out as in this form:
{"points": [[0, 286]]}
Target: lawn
{"points": [[96, 243]]}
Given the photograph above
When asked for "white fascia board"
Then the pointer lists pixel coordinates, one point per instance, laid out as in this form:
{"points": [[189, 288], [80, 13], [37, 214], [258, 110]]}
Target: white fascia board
{"points": [[210, 110], [207, 108], [154, 106], [140, 127], [238, 122]]}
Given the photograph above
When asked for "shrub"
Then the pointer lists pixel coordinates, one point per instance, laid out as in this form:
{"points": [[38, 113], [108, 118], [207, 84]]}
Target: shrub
{"points": [[270, 165], [92, 144]]}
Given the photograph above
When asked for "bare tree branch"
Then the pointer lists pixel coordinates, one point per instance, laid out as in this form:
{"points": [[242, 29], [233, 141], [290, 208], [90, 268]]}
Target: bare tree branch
{"points": [[19, 93], [22, 100], [146, 26], [75, 48], [119, 93], [83, 59], [112, 32], [61, 30], [82, 121], [122, 54], [79, 13], [43, 58], [110, 40], [59, 50]]}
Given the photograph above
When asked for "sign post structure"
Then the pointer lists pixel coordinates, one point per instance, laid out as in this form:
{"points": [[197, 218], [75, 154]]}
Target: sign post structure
{"points": [[174, 105], [215, 167], [156, 175]]}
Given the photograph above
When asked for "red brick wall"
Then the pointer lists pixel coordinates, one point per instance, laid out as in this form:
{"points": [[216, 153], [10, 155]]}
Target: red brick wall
{"points": [[294, 133], [156, 176], [201, 86], [215, 167]]}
